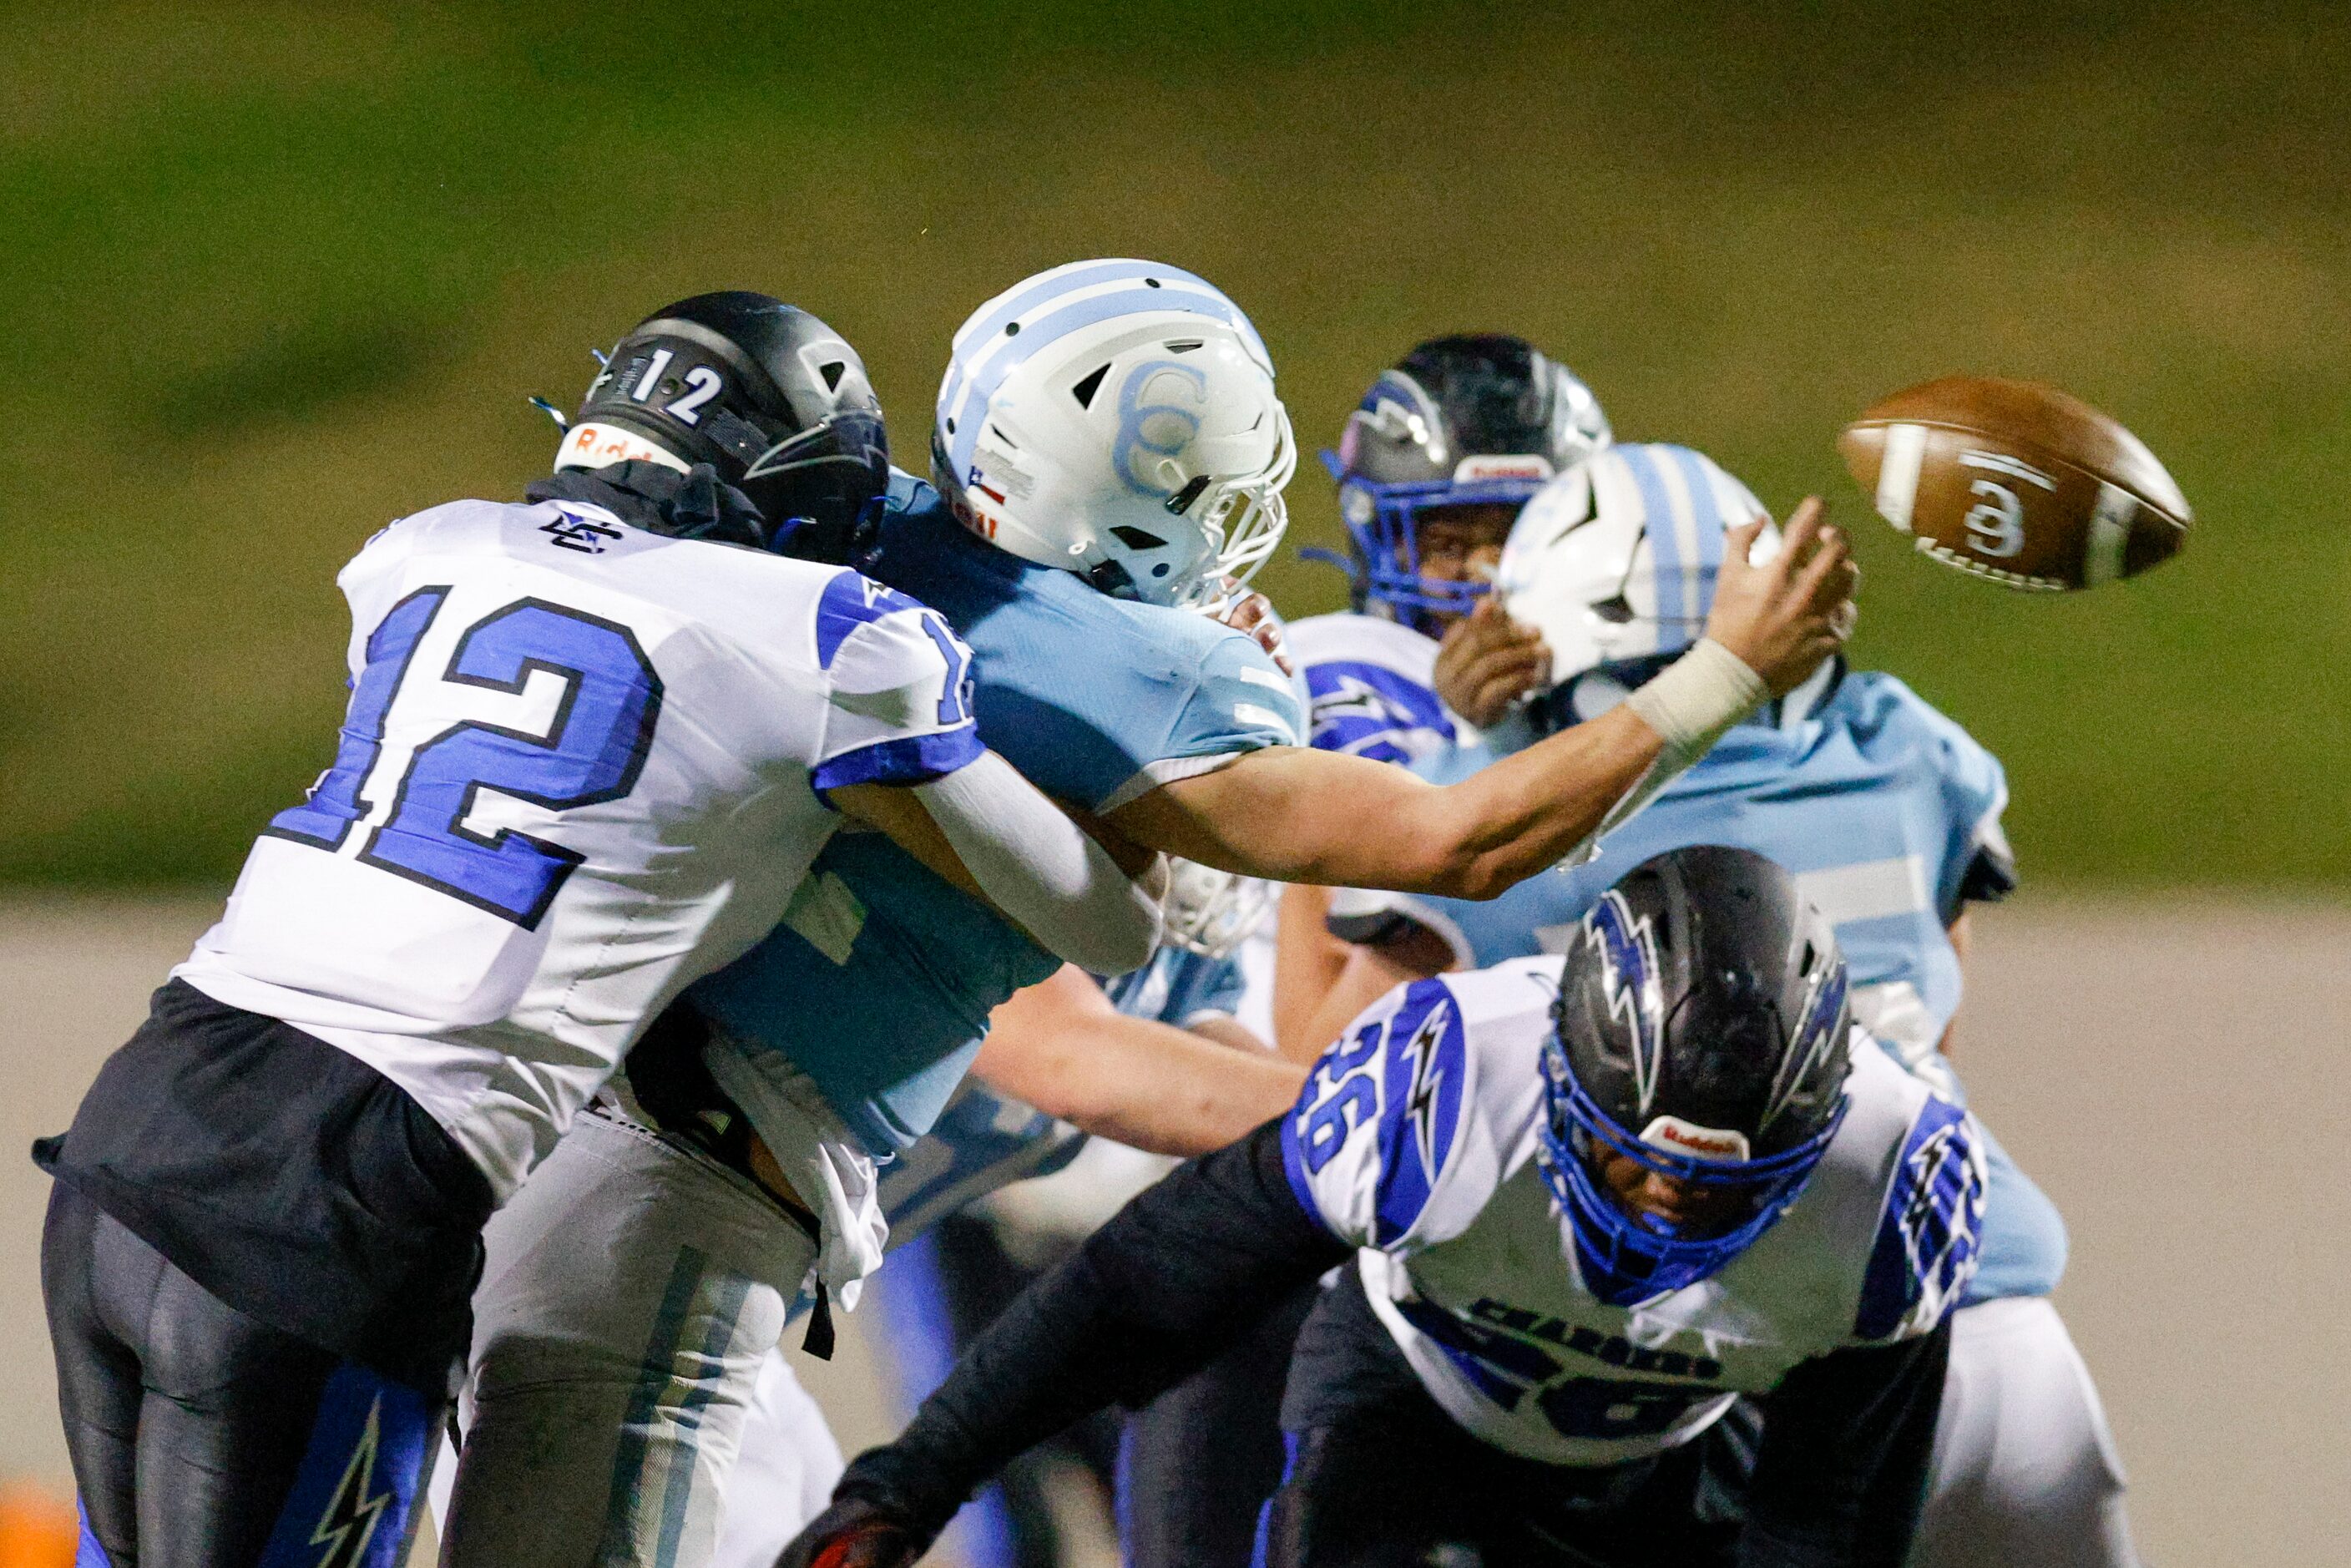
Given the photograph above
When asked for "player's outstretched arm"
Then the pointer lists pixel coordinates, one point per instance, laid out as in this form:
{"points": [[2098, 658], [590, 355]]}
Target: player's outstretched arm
{"points": [[1300, 815], [1176, 1277], [991, 833], [1062, 1047]]}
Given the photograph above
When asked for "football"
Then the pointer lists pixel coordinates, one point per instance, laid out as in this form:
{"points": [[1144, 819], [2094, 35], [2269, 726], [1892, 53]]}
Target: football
{"points": [[2016, 482]]}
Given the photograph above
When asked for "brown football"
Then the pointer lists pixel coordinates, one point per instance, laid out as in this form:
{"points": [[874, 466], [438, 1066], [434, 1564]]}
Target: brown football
{"points": [[2016, 482]]}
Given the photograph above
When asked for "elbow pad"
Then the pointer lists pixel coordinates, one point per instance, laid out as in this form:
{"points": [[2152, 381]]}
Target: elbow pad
{"points": [[1042, 869]]}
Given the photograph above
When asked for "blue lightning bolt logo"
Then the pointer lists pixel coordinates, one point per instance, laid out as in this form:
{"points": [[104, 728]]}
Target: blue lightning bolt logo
{"points": [[1628, 982], [1427, 1078], [351, 1514]]}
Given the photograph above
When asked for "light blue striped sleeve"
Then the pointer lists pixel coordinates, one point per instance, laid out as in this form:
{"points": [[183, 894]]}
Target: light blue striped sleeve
{"points": [[1239, 702]]}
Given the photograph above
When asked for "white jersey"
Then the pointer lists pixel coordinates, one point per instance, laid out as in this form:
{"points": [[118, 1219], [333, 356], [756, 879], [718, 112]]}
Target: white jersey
{"points": [[583, 764], [1373, 686], [1418, 1140]]}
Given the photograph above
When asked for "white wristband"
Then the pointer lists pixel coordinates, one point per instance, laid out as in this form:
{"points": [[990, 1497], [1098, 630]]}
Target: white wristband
{"points": [[1699, 696]]}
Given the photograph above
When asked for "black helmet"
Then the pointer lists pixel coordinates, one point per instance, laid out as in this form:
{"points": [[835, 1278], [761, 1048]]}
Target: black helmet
{"points": [[1459, 421], [1701, 1030], [769, 396]]}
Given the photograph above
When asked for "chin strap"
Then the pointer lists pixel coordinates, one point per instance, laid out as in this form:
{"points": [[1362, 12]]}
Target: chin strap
{"points": [[695, 504]]}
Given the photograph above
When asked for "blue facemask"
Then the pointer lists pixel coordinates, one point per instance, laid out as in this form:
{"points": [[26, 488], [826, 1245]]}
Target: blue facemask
{"points": [[1625, 1257]]}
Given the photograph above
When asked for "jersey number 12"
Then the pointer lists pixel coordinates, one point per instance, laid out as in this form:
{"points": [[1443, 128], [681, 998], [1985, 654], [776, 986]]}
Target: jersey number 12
{"points": [[592, 750]]}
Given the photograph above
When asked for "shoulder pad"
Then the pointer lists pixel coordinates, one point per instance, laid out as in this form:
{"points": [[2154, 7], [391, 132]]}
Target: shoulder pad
{"points": [[1930, 1228], [1372, 686], [850, 601], [1406, 1124]]}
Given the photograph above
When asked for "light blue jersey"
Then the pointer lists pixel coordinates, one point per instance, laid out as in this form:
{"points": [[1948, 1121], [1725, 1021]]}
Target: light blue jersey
{"points": [[878, 985], [1176, 987], [1882, 808], [1888, 814]]}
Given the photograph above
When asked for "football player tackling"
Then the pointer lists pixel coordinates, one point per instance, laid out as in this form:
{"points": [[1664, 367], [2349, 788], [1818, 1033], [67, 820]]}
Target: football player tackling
{"points": [[1110, 452], [594, 741]]}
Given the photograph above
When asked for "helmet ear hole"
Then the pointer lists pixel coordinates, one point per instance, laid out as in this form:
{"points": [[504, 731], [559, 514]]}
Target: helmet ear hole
{"points": [[1084, 390], [1137, 538], [831, 371]]}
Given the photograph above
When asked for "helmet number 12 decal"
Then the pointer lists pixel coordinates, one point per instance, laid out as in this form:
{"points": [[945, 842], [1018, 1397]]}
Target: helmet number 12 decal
{"points": [[701, 384]]}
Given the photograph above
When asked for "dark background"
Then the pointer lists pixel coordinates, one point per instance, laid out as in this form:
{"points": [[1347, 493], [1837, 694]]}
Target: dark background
{"points": [[270, 277]]}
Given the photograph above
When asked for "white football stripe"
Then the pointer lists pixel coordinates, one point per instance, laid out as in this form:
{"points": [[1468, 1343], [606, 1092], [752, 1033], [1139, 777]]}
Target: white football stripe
{"points": [[2102, 559], [1249, 712], [1868, 890], [1683, 521], [1897, 473]]}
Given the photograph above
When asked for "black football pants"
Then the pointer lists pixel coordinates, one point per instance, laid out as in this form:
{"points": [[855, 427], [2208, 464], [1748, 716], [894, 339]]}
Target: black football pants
{"points": [[204, 1438]]}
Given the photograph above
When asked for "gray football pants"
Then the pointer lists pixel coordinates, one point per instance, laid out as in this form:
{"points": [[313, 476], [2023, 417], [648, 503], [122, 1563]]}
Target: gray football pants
{"points": [[632, 1290], [2025, 1473]]}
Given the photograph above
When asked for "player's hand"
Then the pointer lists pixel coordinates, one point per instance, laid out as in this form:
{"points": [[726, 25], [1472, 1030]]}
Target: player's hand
{"points": [[1786, 616], [854, 1533], [1488, 661], [1253, 613]]}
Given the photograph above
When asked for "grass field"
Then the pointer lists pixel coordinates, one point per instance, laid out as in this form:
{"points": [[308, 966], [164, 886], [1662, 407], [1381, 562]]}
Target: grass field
{"points": [[272, 277]]}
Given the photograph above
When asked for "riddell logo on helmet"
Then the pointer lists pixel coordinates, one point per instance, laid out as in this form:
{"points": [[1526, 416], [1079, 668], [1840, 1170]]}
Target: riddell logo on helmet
{"points": [[593, 445], [1520, 467], [1671, 1133], [971, 516]]}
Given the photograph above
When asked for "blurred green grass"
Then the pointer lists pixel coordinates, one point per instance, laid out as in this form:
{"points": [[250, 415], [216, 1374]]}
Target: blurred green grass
{"points": [[271, 277]]}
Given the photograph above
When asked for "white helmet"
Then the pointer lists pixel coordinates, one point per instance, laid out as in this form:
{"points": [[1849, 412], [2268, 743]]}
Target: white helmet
{"points": [[1117, 419], [1615, 560]]}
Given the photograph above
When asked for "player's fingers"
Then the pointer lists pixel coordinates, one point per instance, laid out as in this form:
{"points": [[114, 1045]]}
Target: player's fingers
{"points": [[1478, 689], [1824, 580], [1517, 663], [1738, 542], [1495, 697], [1805, 525], [1502, 661], [1474, 642]]}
